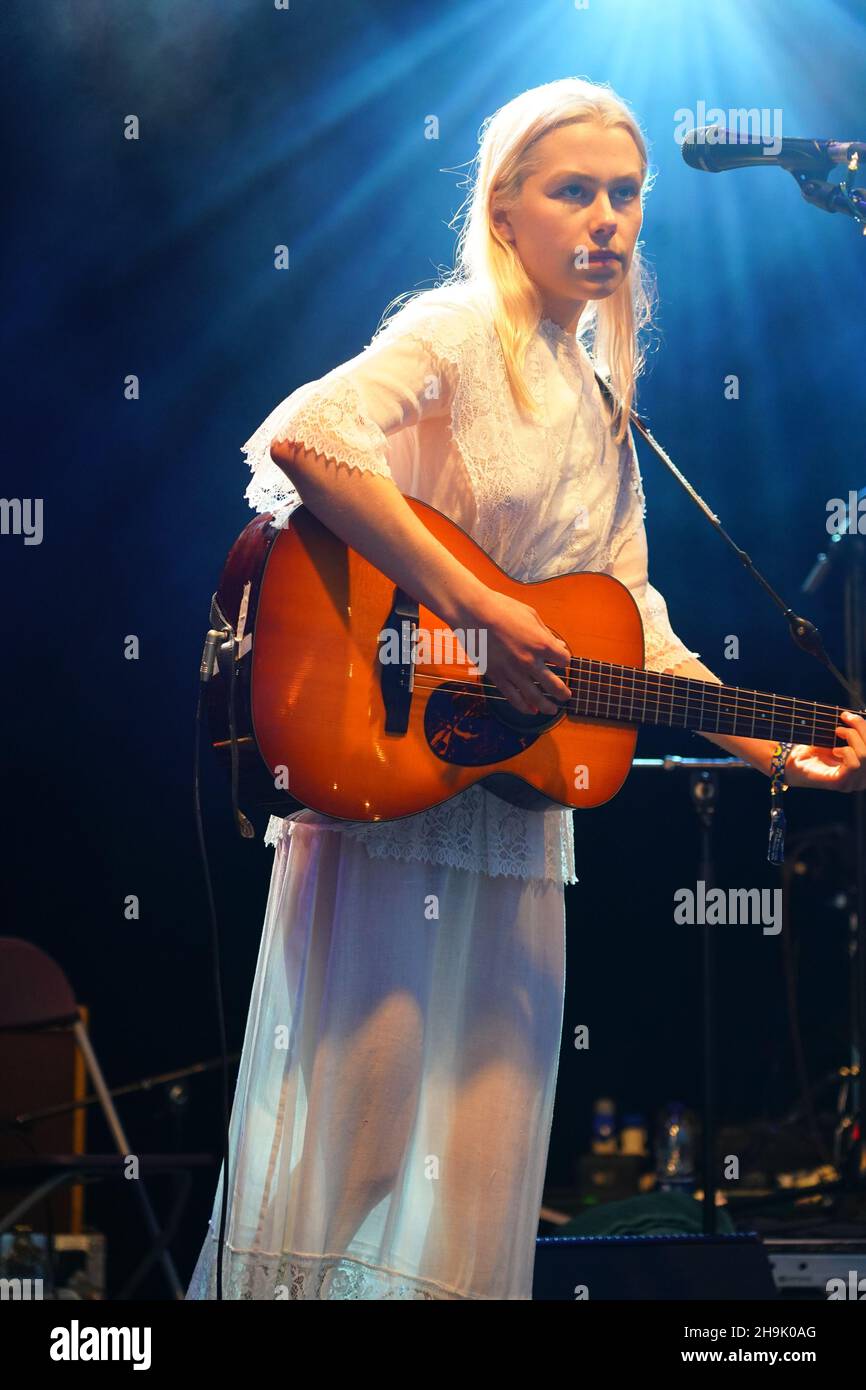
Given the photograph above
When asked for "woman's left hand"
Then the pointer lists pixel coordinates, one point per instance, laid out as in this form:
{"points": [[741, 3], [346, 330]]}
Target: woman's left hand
{"points": [[831, 769]]}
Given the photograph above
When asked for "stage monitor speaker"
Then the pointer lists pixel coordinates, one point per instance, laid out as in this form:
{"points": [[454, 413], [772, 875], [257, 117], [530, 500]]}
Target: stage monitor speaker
{"points": [[652, 1267]]}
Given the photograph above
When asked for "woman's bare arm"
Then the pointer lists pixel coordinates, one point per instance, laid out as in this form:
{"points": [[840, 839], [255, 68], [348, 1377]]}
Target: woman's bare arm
{"points": [[369, 513], [756, 751]]}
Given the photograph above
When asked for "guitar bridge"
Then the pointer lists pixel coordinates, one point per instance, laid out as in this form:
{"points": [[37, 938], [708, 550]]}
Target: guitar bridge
{"points": [[398, 676]]}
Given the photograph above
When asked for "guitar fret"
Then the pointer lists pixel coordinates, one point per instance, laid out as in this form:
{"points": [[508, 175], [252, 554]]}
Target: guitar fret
{"points": [[750, 713]]}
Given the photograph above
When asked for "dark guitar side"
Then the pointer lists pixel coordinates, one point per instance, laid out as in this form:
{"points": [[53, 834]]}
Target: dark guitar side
{"points": [[316, 698]]}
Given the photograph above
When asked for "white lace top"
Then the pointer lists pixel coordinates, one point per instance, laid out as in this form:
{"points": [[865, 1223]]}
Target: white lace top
{"points": [[428, 404]]}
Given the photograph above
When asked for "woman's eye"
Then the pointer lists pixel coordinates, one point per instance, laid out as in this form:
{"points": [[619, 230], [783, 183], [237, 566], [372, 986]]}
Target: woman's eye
{"points": [[625, 194]]}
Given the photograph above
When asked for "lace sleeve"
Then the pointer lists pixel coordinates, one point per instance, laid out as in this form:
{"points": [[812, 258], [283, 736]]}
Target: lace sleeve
{"points": [[405, 375], [629, 564]]}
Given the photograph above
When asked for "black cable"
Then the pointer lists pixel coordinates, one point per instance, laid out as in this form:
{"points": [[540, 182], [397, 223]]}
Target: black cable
{"points": [[217, 979]]}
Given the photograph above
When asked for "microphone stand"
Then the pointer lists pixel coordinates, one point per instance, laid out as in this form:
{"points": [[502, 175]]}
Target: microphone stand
{"points": [[851, 545], [832, 197], [704, 789], [803, 632], [808, 161], [806, 636]]}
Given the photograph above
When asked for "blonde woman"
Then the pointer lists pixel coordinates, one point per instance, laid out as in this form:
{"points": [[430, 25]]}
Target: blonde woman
{"points": [[392, 1116]]}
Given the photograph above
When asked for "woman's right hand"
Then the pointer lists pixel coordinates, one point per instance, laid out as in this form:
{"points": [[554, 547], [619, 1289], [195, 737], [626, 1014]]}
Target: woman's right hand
{"points": [[520, 649]]}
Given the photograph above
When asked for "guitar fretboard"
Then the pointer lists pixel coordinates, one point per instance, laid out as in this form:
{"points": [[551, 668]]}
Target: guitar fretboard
{"points": [[631, 695]]}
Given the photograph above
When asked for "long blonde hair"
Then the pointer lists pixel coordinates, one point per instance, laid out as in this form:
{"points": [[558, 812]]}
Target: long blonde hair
{"points": [[507, 154]]}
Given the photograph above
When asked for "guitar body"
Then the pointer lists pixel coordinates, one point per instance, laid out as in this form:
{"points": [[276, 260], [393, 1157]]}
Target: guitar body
{"points": [[312, 713]]}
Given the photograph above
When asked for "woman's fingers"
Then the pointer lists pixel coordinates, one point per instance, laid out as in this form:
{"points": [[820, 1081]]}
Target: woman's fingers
{"points": [[522, 649], [558, 655], [514, 697], [854, 731], [520, 690], [853, 754], [846, 756], [551, 682]]}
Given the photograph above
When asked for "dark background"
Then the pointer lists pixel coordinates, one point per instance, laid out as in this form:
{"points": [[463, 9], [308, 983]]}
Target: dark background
{"points": [[155, 257]]}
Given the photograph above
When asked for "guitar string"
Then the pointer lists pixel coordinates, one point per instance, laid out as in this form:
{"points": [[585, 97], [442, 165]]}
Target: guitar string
{"points": [[569, 706], [824, 720], [629, 672], [473, 690]]}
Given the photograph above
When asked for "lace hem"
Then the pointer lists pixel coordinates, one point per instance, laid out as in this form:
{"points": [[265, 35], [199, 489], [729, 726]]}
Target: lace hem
{"points": [[558, 865], [475, 831], [663, 649], [671, 658], [291, 1277]]}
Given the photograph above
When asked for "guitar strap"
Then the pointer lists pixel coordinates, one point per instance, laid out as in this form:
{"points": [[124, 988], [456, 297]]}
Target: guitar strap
{"points": [[683, 481]]}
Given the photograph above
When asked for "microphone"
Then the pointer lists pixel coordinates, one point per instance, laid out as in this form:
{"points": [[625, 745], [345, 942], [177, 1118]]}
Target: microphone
{"points": [[713, 149]]}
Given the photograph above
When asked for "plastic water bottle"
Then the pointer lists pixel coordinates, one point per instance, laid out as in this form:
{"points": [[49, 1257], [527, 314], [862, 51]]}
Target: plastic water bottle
{"points": [[675, 1166]]}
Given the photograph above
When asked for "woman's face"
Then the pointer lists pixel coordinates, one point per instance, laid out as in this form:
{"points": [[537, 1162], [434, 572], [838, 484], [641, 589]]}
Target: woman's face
{"points": [[578, 218]]}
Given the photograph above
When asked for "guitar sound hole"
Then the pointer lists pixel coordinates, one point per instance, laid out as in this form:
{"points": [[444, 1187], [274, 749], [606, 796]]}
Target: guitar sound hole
{"points": [[512, 718]]}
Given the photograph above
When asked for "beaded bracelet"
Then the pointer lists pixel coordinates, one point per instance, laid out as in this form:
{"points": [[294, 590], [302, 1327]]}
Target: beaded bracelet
{"points": [[776, 849]]}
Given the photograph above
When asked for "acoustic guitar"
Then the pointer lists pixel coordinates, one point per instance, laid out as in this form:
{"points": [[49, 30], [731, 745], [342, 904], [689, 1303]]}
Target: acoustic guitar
{"points": [[352, 699]]}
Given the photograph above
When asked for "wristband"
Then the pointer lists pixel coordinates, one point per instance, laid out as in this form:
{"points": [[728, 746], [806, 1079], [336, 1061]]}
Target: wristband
{"points": [[776, 848]]}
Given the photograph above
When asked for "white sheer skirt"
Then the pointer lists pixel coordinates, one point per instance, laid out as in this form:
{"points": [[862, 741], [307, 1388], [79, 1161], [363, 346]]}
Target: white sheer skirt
{"points": [[391, 1122]]}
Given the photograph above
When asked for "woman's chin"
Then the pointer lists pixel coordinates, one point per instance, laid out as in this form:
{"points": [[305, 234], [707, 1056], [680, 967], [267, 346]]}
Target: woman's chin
{"points": [[591, 291], [599, 284]]}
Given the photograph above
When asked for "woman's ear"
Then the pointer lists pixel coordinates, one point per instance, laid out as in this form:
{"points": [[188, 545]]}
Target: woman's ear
{"points": [[502, 224]]}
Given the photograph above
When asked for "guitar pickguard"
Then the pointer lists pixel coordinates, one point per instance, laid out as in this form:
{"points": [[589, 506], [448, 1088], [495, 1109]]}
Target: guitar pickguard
{"points": [[464, 729]]}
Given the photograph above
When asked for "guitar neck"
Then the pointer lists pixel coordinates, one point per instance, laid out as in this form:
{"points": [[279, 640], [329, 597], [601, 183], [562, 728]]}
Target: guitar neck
{"points": [[631, 695]]}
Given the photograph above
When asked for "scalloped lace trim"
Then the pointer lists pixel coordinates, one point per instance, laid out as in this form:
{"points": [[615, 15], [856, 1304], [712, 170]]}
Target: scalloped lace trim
{"points": [[474, 830], [291, 1277], [662, 648], [329, 412]]}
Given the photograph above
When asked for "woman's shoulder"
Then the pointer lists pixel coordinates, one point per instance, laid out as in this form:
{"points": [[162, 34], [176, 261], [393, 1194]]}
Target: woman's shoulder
{"points": [[447, 316]]}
